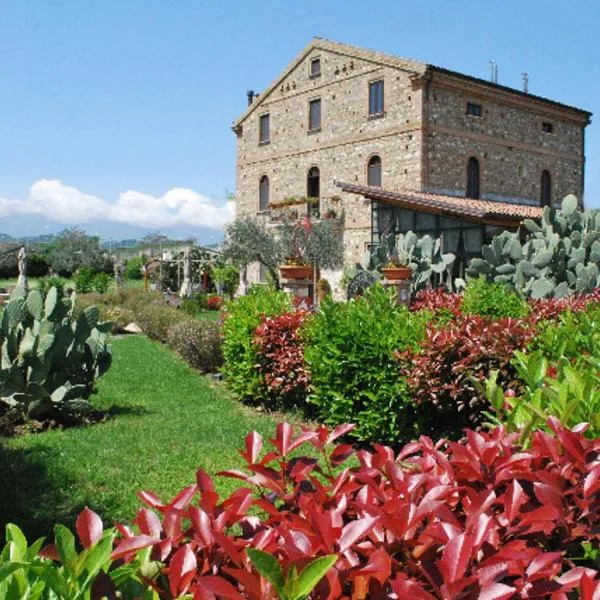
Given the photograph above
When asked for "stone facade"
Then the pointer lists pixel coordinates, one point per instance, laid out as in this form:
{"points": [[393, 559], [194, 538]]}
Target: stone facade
{"points": [[423, 137]]}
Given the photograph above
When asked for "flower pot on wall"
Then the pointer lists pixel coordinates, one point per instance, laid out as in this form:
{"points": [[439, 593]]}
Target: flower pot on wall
{"points": [[296, 271], [397, 273]]}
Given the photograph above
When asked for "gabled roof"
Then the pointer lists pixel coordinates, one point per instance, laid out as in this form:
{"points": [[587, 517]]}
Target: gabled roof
{"points": [[343, 49], [478, 211], [381, 58]]}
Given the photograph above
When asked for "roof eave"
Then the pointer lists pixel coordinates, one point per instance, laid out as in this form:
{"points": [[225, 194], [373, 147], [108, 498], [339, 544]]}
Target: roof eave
{"points": [[526, 95]]}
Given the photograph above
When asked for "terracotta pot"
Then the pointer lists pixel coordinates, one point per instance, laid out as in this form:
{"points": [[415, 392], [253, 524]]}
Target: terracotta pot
{"points": [[296, 271], [395, 273]]}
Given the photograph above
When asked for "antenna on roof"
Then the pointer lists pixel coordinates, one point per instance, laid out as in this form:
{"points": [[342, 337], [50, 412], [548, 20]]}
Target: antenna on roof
{"points": [[525, 77], [493, 71]]}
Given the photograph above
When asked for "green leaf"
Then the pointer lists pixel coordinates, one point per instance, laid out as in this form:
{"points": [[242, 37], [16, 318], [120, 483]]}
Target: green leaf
{"points": [[65, 544], [268, 566], [18, 542], [313, 573], [9, 568]]}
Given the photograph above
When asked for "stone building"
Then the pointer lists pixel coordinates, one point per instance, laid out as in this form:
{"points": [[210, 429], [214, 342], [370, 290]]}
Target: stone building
{"points": [[388, 144]]}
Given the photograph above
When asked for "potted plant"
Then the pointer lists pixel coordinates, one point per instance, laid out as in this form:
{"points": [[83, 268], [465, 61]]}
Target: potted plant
{"points": [[310, 246], [294, 235], [397, 266], [396, 269]]}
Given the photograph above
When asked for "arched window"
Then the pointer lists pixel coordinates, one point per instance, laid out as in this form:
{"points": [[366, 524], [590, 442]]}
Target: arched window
{"points": [[263, 193], [374, 171], [473, 178], [545, 189], [313, 188]]}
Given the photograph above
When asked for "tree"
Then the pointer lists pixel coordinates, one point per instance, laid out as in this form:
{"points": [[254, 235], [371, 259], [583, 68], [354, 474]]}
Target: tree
{"points": [[316, 243], [247, 241], [73, 249]]}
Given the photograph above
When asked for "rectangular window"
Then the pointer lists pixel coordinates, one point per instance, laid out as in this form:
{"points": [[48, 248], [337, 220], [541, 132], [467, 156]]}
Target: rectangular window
{"points": [[376, 98], [314, 115], [315, 67], [473, 109], [264, 129], [547, 127]]}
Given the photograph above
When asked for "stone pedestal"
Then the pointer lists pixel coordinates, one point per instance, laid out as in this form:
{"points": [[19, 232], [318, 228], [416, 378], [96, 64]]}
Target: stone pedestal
{"points": [[298, 287], [402, 288]]}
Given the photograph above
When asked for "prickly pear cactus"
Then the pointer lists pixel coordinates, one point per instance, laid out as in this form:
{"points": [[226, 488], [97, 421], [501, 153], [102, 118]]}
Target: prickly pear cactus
{"points": [[559, 256], [422, 254], [50, 359]]}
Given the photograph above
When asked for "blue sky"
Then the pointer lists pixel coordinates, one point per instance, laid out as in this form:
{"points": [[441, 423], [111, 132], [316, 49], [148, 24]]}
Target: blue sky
{"points": [[132, 100]]}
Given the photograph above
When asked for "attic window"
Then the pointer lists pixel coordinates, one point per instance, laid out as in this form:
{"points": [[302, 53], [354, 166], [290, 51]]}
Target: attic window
{"points": [[547, 127], [263, 130], [473, 109], [315, 67]]}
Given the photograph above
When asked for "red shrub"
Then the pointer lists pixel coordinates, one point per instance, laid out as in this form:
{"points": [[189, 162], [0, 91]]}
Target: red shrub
{"points": [[280, 355], [303, 302], [440, 373], [551, 308], [214, 303], [482, 518], [437, 300]]}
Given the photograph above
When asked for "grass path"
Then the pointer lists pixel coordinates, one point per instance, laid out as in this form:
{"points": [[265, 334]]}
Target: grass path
{"points": [[167, 421]]}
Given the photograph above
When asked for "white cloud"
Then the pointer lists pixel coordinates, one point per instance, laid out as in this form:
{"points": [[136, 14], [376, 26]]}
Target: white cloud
{"points": [[68, 205]]}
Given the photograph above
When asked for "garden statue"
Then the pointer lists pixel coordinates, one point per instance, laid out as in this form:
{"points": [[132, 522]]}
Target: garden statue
{"points": [[186, 286], [119, 273], [22, 265]]}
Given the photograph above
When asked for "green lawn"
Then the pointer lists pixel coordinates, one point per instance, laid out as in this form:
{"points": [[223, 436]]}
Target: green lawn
{"points": [[167, 421]]}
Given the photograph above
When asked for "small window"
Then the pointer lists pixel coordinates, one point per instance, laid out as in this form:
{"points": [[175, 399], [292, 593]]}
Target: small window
{"points": [[263, 193], [547, 127], [313, 190], [315, 67], [546, 189], [473, 178], [314, 115], [376, 98], [264, 129], [473, 109], [374, 171]]}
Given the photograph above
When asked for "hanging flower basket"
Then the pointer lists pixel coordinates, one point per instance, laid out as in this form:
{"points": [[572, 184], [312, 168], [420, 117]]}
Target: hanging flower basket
{"points": [[396, 273], [296, 271]]}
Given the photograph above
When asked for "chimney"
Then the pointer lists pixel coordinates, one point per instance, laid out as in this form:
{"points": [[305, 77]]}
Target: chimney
{"points": [[525, 82], [250, 95], [493, 71]]}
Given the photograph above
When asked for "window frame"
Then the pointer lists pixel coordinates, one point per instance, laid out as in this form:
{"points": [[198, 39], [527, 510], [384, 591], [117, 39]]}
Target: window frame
{"points": [[473, 162], [261, 119], [547, 127], [545, 188], [311, 73], [313, 210], [263, 178], [370, 169], [311, 103], [377, 98], [474, 109]]}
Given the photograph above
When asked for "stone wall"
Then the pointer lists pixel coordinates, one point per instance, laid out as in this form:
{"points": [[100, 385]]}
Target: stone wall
{"points": [[507, 140], [348, 138], [424, 138]]}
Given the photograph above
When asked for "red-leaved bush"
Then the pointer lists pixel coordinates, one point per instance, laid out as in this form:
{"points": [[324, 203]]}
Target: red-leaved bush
{"points": [[214, 302], [280, 356], [481, 518], [441, 372], [551, 308], [437, 300]]}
